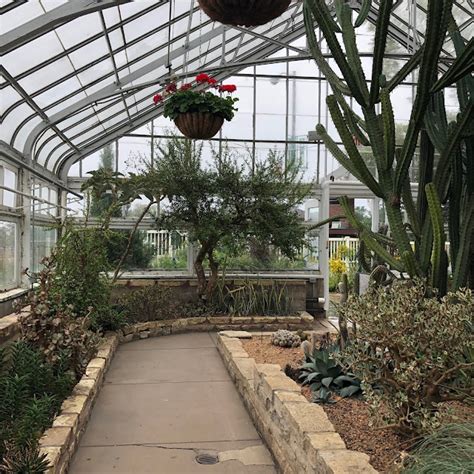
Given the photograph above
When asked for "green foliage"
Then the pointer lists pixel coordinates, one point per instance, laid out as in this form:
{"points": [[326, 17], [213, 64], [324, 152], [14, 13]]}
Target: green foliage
{"points": [[227, 203], [140, 254], [52, 327], [167, 262], [452, 175], [250, 298], [449, 449], [412, 351], [325, 376], [197, 101], [81, 286], [150, 303], [31, 392], [24, 460]]}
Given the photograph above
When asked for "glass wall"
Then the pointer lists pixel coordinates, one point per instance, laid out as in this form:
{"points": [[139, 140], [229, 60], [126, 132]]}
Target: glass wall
{"points": [[8, 255], [43, 239]]}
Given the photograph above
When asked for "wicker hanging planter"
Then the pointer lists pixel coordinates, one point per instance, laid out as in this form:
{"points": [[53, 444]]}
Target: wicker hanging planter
{"points": [[243, 12], [199, 125]]}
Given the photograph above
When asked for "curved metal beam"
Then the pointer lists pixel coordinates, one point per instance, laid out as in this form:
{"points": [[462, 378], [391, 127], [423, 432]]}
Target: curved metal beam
{"points": [[57, 16]]}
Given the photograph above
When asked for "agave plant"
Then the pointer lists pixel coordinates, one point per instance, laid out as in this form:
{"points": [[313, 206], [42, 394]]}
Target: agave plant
{"points": [[326, 376]]}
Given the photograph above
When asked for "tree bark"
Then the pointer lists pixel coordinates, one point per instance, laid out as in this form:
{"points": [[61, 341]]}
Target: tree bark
{"points": [[198, 267], [214, 266]]}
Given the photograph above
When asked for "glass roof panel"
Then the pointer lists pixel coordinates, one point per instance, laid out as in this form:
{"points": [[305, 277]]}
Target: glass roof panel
{"points": [[21, 15], [32, 53], [79, 29]]}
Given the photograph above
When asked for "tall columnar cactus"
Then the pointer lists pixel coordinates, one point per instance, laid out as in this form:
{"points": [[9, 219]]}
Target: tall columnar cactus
{"points": [[446, 181]]}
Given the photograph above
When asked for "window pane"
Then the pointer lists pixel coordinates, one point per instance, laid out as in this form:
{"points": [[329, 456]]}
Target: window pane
{"points": [[7, 255]]}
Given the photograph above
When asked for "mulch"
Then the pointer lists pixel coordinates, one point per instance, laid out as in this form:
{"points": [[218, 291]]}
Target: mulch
{"points": [[349, 416]]}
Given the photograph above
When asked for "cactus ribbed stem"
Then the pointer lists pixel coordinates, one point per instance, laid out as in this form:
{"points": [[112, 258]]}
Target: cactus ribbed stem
{"points": [[437, 259], [380, 42], [321, 14]]}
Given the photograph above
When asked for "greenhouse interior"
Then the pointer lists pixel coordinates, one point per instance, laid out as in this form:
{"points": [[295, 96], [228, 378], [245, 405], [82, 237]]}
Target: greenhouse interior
{"points": [[237, 236]]}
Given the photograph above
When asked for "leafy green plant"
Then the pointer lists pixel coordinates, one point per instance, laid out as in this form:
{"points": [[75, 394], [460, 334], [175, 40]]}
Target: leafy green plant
{"points": [[411, 351], [149, 303], [24, 460], [185, 99], [325, 376], [252, 297], [31, 392], [53, 328], [448, 449]]}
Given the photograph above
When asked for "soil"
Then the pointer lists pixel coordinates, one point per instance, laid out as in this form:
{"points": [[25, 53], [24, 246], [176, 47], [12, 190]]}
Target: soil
{"points": [[350, 417], [264, 352]]}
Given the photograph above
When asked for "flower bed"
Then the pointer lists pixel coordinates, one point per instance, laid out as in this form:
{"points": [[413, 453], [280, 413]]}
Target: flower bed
{"points": [[299, 434]]}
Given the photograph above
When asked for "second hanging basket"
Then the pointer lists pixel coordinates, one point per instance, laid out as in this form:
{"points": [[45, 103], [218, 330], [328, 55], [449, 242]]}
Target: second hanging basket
{"points": [[198, 125], [244, 12]]}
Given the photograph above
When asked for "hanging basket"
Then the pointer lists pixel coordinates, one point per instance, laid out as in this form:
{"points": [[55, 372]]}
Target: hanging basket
{"points": [[198, 125], [243, 12]]}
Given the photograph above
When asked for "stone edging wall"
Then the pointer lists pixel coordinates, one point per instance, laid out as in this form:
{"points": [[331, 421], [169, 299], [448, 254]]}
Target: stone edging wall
{"points": [[215, 323], [298, 433], [60, 442]]}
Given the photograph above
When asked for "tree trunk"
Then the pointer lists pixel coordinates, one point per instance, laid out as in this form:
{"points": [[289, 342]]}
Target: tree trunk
{"points": [[200, 273], [343, 331], [211, 284]]}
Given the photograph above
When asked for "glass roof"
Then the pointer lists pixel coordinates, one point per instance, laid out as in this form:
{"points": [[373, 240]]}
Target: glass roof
{"points": [[78, 74]]}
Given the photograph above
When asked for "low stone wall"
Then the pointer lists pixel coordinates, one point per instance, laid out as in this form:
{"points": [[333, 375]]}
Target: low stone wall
{"points": [[59, 442], [298, 433], [215, 323], [9, 326], [184, 289]]}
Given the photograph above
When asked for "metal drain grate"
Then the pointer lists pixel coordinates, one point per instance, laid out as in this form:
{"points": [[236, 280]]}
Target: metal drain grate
{"points": [[206, 458]]}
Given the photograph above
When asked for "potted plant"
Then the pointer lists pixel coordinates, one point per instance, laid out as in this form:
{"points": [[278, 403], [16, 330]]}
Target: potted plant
{"points": [[243, 12], [198, 114]]}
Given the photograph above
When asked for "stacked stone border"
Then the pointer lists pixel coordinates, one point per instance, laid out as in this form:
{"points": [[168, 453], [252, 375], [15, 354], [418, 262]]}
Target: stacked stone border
{"points": [[297, 432], [60, 442]]}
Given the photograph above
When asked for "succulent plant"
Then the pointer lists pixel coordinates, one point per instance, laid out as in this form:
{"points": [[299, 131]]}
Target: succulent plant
{"points": [[284, 338], [325, 376], [445, 183]]}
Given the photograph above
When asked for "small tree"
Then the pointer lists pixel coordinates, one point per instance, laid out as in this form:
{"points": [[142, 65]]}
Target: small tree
{"points": [[227, 203], [103, 203]]}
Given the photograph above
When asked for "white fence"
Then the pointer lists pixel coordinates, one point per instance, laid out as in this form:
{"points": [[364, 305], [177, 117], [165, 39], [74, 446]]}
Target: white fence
{"points": [[166, 243], [344, 248]]}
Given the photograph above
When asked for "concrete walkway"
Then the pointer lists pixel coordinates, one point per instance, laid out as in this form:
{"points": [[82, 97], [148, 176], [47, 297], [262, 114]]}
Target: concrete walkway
{"points": [[165, 401]]}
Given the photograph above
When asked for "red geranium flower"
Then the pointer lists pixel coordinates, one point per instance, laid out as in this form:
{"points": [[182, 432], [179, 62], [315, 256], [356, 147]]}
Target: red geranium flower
{"points": [[171, 87], [157, 98], [185, 87], [202, 78], [227, 88], [211, 81]]}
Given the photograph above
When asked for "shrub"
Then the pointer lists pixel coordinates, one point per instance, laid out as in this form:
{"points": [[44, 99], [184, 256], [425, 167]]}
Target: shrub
{"points": [[81, 265], [449, 449], [150, 303], [411, 351], [52, 327]]}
